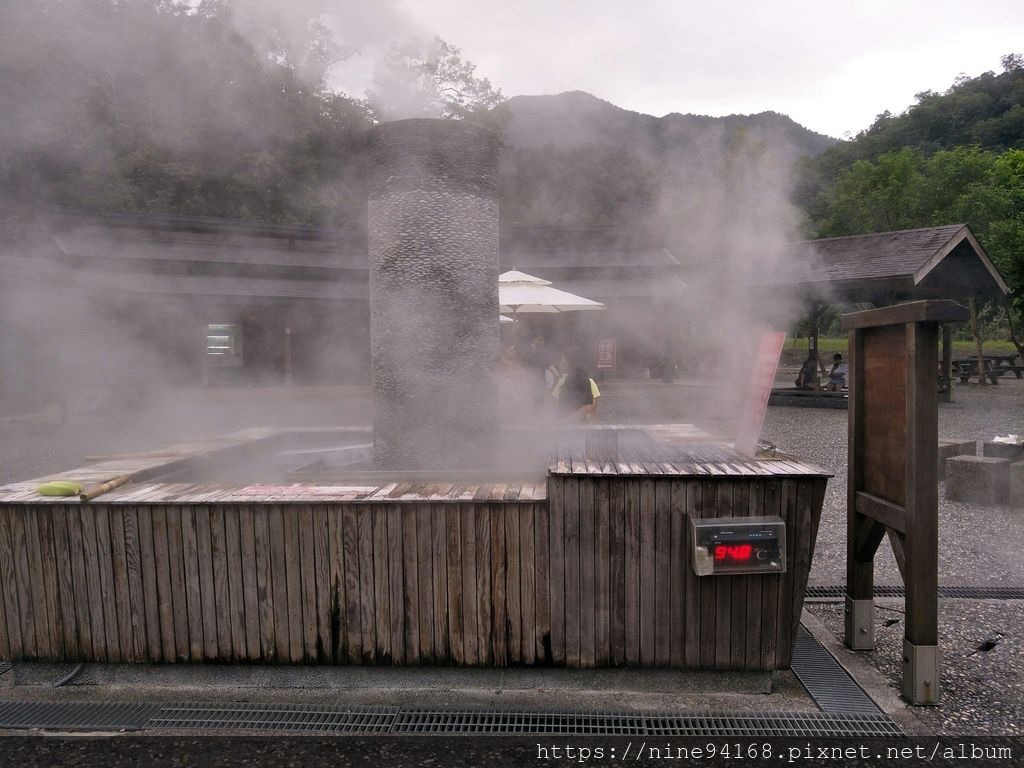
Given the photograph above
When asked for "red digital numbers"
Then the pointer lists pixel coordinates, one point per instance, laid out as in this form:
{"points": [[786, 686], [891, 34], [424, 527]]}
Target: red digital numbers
{"points": [[739, 553]]}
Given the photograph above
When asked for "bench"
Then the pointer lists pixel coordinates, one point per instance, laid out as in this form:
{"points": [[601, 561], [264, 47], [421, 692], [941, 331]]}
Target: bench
{"points": [[1017, 370]]}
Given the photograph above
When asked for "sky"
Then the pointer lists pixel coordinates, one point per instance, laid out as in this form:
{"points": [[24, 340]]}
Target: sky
{"points": [[831, 66]]}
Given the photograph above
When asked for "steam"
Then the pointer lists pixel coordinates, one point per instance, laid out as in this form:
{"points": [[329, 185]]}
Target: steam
{"points": [[78, 84]]}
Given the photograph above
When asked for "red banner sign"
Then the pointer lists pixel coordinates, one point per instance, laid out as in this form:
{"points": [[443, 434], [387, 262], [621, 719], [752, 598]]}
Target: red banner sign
{"points": [[766, 362]]}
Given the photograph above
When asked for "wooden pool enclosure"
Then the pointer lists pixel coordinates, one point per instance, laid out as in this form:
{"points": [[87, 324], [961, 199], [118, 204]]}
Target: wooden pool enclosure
{"points": [[588, 567]]}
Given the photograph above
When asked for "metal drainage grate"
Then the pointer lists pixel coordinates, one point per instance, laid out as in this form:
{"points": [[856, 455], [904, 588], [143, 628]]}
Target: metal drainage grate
{"points": [[75, 716], [275, 717], [782, 724], [961, 593], [470, 721], [828, 683], [321, 719], [5, 666]]}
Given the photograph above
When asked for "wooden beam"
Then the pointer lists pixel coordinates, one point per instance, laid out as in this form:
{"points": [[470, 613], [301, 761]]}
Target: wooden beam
{"points": [[931, 310], [885, 512]]}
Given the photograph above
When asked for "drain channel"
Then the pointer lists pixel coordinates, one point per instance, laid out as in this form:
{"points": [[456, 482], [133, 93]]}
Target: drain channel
{"points": [[828, 683], [275, 717], [76, 716], [779, 724], [477, 721], [954, 593]]}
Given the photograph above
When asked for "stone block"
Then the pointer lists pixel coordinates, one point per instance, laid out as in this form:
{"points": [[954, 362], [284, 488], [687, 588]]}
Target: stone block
{"points": [[978, 479], [1017, 485], [949, 448], [1012, 451]]}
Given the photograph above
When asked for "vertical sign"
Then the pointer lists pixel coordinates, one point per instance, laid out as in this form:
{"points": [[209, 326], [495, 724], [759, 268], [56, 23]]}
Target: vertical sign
{"points": [[604, 354], [752, 414]]}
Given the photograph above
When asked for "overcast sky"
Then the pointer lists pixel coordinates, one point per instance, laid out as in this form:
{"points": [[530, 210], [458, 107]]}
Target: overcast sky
{"points": [[830, 66]]}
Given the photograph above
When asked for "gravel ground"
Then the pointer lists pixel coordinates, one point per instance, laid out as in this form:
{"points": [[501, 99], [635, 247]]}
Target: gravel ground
{"points": [[967, 533], [983, 691]]}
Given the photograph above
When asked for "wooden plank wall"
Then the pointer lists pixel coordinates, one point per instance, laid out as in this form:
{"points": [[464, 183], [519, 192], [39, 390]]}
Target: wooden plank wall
{"points": [[631, 598], [382, 583], [597, 575]]}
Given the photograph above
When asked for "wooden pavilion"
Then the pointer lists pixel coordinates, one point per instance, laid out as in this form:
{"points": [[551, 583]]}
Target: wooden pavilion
{"points": [[886, 268]]}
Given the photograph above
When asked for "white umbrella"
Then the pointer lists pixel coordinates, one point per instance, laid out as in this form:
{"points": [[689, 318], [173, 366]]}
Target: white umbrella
{"points": [[520, 292]]}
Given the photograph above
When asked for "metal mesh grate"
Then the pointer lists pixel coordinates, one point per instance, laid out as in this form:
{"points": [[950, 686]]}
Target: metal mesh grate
{"points": [[325, 719], [947, 592], [75, 716], [471, 721], [601, 445], [828, 683], [275, 717], [783, 724]]}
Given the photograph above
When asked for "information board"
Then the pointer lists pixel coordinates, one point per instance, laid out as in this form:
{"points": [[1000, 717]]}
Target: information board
{"points": [[604, 354]]}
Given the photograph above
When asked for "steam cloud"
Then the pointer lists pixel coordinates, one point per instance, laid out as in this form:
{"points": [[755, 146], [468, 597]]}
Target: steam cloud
{"points": [[723, 206]]}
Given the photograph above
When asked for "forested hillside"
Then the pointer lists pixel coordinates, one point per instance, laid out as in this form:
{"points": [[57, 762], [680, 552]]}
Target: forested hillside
{"points": [[176, 107], [172, 107], [953, 157]]}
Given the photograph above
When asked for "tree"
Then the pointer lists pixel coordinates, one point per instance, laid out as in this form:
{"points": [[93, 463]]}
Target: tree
{"points": [[430, 79], [905, 189]]}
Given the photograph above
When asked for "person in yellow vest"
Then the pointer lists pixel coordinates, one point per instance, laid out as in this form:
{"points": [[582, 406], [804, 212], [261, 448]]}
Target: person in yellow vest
{"points": [[576, 391]]}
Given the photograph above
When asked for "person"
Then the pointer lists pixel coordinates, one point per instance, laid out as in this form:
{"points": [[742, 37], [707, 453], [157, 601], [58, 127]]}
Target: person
{"points": [[837, 373], [576, 391], [808, 376], [551, 378]]}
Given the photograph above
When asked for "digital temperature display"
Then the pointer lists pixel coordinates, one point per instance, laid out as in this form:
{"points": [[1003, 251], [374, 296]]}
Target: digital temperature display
{"points": [[737, 545], [733, 554]]}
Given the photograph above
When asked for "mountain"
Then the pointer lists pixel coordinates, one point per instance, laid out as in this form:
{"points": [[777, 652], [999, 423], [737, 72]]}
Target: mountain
{"points": [[575, 160], [575, 119]]}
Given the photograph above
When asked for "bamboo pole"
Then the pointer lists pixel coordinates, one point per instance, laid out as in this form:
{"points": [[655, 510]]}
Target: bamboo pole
{"points": [[102, 488]]}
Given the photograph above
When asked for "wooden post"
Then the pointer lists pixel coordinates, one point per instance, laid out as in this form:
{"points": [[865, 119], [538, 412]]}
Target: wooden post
{"points": [[812, 338], [920, 540], [947, 364], [860, 559], [1013, 335], [982, 378], [892, 491]]}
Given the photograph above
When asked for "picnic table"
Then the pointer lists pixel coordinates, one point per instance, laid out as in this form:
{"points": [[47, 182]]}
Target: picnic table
{"points": [[996, 366], [1005, 363]]}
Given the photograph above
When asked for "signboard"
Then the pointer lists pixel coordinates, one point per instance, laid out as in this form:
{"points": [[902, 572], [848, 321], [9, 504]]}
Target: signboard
{"points": [[604, 354], [766, 362]]}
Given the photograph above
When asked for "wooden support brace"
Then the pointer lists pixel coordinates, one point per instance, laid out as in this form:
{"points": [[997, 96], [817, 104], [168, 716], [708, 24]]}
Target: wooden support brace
{"points": [[896, 540], [885, 512]]}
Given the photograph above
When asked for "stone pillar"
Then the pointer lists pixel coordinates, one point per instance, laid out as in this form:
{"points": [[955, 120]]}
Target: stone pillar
{"points": [[433, 247]]}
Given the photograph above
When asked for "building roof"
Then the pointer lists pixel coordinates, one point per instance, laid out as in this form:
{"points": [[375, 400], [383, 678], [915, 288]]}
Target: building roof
{"points": [[600, 263], [153, 254], [940, 262]]}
